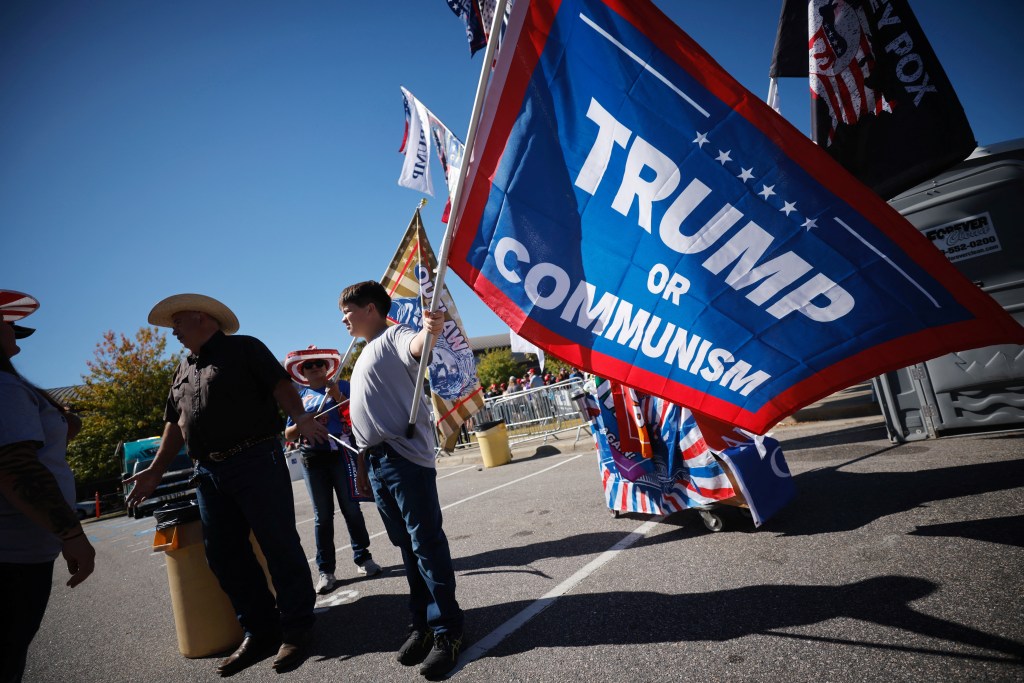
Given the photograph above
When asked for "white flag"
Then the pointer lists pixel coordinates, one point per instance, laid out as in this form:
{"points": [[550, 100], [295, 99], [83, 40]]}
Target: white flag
{"points": [[416, 145], [520, 345]]}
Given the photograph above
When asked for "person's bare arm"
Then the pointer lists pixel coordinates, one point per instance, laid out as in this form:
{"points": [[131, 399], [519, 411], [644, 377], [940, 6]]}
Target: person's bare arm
{"points": [[432, 323], [288, 399], [33, 490], [146, 481]]}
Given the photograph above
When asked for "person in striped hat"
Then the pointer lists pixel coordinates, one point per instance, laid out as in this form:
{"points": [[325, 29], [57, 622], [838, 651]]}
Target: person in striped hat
{"points": [[37, 490], [326, 466]]}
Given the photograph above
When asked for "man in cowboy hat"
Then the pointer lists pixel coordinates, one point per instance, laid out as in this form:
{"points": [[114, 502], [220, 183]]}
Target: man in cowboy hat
{"points": [[223, 406]]}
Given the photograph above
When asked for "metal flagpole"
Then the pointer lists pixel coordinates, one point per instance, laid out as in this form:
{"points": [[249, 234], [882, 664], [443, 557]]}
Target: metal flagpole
{"points": [[344, 359], [334, 407], [334, 380], [442, 259]]}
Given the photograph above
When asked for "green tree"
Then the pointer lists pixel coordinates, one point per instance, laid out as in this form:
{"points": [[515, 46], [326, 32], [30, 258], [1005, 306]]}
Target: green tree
{"points": [[122, 400], [494, 367], [350, 364]]}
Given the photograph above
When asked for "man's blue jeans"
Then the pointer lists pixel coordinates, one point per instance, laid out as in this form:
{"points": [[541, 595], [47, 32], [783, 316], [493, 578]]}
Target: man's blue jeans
{"points": [[406, 495], [252, 491], [326, 476]]}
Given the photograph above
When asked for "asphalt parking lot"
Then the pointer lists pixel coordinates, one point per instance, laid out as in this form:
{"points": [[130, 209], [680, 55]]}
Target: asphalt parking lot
{"points": [[895, 562]]}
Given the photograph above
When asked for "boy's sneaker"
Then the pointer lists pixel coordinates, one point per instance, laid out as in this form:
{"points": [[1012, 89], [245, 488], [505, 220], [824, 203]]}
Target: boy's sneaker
{"points": [[442, 657], [368, 568], [326, 583], [415, 647]]}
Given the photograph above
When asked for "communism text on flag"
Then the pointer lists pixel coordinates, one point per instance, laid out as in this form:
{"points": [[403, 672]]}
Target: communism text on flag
{"points": [[632, 209]]}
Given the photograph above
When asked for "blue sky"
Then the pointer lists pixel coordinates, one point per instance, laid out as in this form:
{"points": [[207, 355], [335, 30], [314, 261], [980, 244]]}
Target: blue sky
{"points": [[248, 150]]}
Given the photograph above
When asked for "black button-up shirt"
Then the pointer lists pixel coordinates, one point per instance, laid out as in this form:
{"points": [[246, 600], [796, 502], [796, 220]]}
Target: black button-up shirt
{"points": [[224, 396]]}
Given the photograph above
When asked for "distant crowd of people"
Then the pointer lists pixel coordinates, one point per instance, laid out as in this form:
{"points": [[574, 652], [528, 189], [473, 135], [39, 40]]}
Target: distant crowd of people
{"points": [[531, 380]]}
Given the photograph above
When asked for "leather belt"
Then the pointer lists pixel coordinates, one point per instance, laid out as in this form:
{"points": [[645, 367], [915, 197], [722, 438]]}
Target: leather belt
{"points": [[221, 456]]}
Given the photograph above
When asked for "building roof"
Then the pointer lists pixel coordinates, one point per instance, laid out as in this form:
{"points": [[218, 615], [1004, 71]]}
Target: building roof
{"points": [[66, 396], [490, 341]]}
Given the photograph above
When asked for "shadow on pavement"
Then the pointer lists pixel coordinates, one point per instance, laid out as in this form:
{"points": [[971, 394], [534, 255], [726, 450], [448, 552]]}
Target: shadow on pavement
{"points": [[647, 617], [520, 558], [850, 435], [830, 500], [542, 451], [1005, 530]]}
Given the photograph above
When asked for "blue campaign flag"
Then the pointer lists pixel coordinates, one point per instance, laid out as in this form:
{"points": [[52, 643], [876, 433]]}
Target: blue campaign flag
{"points": [[635, 211]]}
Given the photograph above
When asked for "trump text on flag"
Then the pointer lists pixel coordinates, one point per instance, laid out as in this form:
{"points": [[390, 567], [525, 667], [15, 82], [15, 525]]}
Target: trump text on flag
{"points": [[634, 210]]}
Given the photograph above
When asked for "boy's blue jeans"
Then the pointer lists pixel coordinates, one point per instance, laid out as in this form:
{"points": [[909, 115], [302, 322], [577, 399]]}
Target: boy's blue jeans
{"points": [[406, 495]]}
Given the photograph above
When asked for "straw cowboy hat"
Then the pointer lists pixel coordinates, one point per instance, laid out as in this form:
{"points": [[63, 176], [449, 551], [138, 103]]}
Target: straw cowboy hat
{"points": [[14, 306], [294, 360], [163, 312]]}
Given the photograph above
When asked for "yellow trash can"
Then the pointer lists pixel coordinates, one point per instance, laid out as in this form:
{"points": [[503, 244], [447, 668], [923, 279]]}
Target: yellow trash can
{"points": [[203, 616], [493, 440]]}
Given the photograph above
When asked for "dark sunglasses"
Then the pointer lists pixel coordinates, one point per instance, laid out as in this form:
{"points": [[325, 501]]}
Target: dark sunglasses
{"points": [[310, 364]]}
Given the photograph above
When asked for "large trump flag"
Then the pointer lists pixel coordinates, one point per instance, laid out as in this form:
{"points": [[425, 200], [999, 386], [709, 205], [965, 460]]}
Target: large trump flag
{"points": [[632, 209]]}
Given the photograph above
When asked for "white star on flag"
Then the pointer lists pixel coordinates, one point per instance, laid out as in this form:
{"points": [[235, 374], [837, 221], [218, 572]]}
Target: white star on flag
{"points": [[747, 174], [767, 191], [810, 223], [702, 139], [723, 157], [788, 207]]}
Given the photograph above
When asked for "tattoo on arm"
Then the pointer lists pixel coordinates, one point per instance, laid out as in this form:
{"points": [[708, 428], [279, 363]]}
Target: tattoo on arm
{"points": [[32, 488]]}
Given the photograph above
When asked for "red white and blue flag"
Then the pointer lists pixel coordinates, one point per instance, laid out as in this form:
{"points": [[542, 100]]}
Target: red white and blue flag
{"points": [[428, 131], [680, 470], [416, 146], [632, 209], [476, 30]]}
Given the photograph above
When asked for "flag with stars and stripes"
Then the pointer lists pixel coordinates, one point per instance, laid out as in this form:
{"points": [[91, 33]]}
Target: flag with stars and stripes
{"points": [[455, 389], [681, 470], [632, 209]]}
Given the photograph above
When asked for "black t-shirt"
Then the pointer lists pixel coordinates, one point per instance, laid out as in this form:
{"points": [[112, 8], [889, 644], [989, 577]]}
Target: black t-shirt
{"points": [[225, 395]]}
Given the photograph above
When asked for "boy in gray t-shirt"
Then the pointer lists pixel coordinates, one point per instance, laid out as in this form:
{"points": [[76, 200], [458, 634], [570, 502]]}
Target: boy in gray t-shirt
{"points": [[400, 471]]}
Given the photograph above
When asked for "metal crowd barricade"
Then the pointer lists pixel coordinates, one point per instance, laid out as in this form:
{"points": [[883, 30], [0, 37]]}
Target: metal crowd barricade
{"points": [[534, 413]]}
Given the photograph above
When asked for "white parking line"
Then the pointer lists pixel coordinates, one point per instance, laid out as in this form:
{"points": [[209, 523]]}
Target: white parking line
{"points": [[482, 493], [452, 474], [493, 638], [514, 481]]}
